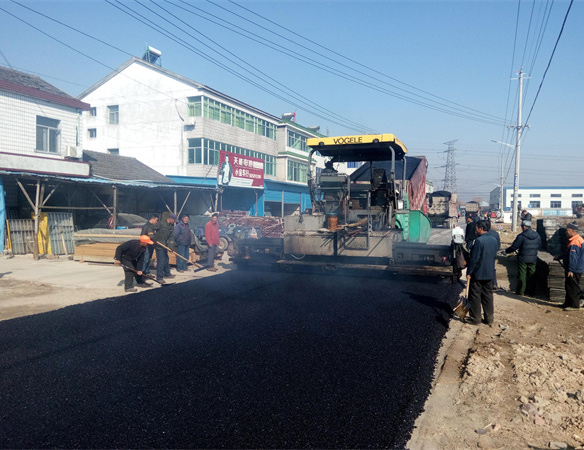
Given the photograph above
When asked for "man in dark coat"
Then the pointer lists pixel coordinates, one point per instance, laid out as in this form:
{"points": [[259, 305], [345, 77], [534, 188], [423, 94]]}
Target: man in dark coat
{"points": [[131, 255], [527, 245], [182, 238], [470, 233], [164, 237], [526, 215], [480, 274], [495, 234], [149, 229]]}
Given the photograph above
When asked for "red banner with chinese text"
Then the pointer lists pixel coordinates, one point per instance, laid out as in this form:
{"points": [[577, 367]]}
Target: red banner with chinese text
{"points": [[240, 171]]}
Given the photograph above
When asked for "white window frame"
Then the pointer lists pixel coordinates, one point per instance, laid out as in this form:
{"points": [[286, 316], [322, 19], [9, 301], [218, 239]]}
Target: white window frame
{"points": [[48, 135], [113, 112]]}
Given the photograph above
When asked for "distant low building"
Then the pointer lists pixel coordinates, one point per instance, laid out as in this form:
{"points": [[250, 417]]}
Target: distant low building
{"points": [[541, 197]]}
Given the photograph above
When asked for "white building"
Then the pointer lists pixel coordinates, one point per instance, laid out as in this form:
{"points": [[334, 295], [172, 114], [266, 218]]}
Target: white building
{"points": [[40, 126], [181, 128], [544, 198]]}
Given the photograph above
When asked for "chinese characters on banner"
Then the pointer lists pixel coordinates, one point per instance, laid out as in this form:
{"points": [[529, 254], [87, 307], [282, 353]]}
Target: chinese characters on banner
{"points": [[241, 171]]}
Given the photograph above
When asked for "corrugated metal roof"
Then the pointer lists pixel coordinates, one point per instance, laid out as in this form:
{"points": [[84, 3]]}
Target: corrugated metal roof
{"points": [[103, 181]]}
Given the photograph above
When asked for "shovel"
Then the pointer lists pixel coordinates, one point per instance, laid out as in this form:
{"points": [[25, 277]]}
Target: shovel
{"points": [[461, 310], [181, 257], [145, 275]]}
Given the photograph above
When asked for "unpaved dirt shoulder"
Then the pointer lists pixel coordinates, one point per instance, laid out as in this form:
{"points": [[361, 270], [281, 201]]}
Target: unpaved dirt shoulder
{"points": [[518, 384]]}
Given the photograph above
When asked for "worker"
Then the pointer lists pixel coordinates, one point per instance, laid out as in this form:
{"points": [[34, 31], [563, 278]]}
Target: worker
{"points": [[149, 229], [470, 233], [212, 238], [130, 255], [525, 215], [182, 238], [573, 261], [526, 244], [164, 237], [328, 167], [479, 274], [495, 234]]}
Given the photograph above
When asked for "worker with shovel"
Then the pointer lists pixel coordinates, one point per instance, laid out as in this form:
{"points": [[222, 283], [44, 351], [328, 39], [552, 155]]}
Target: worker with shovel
{"points": [[130, 255], [480, 274]]}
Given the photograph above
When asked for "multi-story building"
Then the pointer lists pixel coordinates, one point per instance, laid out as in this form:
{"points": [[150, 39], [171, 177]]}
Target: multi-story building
{"points": [[187, 130]]}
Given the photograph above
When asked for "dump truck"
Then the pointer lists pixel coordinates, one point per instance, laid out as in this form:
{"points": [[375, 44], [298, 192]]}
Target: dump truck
{"points": [[371, 220], [473, 208], [443, 208]]}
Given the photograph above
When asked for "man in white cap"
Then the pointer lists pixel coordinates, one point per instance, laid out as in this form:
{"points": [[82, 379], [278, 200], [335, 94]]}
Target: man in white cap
{"points": [[573, 260], [526, 244]]}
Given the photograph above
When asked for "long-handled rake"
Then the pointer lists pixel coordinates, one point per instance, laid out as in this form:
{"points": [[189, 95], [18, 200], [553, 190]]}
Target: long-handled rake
{"points": [[145, 275], [199, 267]]}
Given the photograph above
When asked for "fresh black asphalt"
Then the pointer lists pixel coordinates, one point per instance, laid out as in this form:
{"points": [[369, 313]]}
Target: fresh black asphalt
{"points": [[237, 360]]}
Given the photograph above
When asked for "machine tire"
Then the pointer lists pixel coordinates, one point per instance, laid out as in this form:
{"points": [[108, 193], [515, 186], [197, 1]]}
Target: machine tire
{"points": [[223, 244]]}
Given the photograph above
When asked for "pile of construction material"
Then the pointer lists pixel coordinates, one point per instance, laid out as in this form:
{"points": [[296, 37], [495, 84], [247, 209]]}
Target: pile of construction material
{"points": [[252, 226]]}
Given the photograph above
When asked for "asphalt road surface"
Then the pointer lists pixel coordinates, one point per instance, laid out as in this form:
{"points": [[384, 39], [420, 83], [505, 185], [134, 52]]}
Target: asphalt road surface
{"points": [[238, 360]]}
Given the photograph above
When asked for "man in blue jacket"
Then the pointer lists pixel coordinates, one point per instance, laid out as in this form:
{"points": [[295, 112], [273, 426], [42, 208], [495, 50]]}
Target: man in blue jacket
{"points": [[182, 238], [479, 274], [527, 245]]}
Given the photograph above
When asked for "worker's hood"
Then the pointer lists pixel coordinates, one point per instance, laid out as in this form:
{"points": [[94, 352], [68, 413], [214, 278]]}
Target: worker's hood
{"points": [[530, 234]]}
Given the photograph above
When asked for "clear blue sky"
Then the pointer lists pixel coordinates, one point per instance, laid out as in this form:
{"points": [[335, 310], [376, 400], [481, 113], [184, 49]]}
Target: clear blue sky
{"points": [[350, 66]]}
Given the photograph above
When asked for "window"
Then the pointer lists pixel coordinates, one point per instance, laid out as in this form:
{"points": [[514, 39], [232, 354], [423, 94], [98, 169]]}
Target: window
{"points": [[212, 109], [297, 141], [93, 111], [114, 114], [577, 195], [534, 195], [297, 171], [195, 109], [534, 204], [92, 132], [47, 134], [555, 204], [556, 195], [113, 151], [576, 203], [206, 151]]}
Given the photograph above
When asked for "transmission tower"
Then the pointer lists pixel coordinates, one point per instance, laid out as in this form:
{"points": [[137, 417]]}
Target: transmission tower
{"points": [[450, 176]]}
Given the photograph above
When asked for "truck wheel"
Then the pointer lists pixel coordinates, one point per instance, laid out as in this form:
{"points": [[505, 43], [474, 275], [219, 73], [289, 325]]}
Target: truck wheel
{"points": [[223, 244]]}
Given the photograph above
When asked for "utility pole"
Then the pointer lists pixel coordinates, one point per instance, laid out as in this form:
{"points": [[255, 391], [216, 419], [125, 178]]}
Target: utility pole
{"points": [[519, 127], [450, 176]]}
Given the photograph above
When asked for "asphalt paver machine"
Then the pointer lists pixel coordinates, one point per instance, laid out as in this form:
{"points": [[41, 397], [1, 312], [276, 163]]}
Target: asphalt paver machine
{"points": [[359, 223]]}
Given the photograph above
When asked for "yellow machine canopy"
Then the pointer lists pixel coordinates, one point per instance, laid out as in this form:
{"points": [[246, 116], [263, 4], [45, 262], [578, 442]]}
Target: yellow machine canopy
{"points": [[368, 147]]}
